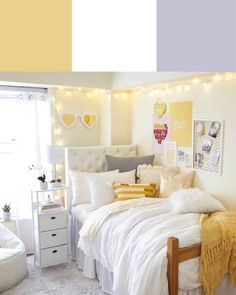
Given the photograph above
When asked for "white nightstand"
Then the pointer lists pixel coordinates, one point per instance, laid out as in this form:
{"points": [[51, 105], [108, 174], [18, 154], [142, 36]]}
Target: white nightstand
{"points": [[50, 232]]}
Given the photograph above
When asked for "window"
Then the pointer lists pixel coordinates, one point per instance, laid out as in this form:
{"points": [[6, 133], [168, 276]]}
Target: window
{"points": [[24, 133]]}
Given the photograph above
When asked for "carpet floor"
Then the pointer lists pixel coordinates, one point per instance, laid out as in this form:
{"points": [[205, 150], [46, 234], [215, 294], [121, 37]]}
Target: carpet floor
{"points": [[62, 279]]}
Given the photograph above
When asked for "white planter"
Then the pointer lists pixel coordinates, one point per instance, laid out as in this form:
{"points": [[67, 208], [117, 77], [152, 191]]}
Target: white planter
{"points": [[6, 216], [43, 185]]}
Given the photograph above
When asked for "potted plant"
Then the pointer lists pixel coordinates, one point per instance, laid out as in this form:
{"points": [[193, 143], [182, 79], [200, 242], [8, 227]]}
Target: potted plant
{"points": [[6, 212], [42, 182]]}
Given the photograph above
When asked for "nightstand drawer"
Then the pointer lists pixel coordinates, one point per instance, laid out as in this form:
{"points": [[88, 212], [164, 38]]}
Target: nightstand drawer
{"points": [[52, 221], [54, 255], [53, 238]]}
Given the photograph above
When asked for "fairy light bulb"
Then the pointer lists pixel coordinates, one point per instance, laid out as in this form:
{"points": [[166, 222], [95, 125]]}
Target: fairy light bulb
{"points": [[207, 86], [195, 81], [57, 131], [124, 95], [89, 94], [186, 87], [58, 107], [217, 78]]}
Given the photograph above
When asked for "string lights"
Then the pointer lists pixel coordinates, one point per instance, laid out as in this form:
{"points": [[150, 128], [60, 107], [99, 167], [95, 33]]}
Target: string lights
{"points": [[160, 89], [184, 85]]}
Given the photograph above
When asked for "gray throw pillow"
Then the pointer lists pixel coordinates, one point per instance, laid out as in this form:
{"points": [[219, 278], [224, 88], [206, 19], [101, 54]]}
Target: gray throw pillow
{"points": [[125, 164]]}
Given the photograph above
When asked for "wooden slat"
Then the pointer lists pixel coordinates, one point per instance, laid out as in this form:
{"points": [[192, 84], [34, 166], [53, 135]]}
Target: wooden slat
{"points": [[176, 255], [172, 254], [189, 253]]}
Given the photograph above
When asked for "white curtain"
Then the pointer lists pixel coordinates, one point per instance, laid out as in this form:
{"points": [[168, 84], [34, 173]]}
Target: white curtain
{"points": [[25, 125]]}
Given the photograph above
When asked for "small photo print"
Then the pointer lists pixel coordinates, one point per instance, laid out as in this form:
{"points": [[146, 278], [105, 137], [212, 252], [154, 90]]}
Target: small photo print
{"points": [[214, 158], [215, 126], [181, 155], [206, 145], [199, 159]]}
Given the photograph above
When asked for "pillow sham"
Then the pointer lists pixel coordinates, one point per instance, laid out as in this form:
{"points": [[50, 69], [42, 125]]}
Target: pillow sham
{"points": [[152, 174], [171, 183], [194, 200], [125, 164], [124, 192], [101, 187], [80, 187]]}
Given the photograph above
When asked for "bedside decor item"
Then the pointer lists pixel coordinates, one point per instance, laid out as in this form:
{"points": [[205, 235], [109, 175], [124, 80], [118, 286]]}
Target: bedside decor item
{"points": [[55, 183], [42, 182], [55, 154], [6, 212]]}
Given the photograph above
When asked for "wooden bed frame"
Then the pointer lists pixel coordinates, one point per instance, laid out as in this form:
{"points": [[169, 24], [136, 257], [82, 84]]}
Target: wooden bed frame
{"points": [[176, 255]]}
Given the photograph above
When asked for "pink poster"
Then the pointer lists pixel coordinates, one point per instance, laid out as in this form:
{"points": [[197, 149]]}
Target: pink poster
{"points": [[160, 126]]}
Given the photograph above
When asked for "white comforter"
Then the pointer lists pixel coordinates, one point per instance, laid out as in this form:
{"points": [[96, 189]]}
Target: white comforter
{"points": [[129, 238]]}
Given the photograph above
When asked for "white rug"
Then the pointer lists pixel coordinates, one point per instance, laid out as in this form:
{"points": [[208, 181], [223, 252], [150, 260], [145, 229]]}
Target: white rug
{"points": [[62, 279]]}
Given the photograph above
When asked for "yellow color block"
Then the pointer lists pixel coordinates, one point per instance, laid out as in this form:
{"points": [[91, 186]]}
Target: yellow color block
{"points": [[36, 35], [181, 123]]}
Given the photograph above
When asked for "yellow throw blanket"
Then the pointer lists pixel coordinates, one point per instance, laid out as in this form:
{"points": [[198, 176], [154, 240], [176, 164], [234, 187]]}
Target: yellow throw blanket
{"points": [[218, 249]]}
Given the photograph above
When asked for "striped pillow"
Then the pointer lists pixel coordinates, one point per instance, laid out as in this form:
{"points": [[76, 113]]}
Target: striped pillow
{"points": [[133, 191]]}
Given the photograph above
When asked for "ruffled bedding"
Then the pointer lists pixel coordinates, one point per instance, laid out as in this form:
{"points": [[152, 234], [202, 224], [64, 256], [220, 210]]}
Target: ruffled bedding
{"points": [[129, 239]]}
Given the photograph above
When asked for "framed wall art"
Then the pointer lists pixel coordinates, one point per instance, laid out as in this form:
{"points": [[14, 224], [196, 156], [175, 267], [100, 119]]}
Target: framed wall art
{"points": [[208, 145]]}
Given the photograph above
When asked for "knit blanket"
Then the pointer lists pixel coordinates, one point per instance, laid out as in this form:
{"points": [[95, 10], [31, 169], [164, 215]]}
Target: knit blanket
{"points": [[218, 249]]}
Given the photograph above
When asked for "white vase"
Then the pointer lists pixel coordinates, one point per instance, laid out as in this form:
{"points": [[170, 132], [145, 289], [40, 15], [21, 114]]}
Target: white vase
{"points": [[43, 185], [6, 216]]}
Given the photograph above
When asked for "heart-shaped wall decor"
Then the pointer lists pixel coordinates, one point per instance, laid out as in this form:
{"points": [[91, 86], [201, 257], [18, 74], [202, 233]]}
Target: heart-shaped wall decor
{"points": [[159, 109], [89, 120], [68, 120], [160, 132]]}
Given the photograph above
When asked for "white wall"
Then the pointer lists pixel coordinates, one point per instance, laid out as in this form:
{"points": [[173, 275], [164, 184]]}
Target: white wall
{"points": [[217, 103], [121, 118], [93, 80], [122, 80]]}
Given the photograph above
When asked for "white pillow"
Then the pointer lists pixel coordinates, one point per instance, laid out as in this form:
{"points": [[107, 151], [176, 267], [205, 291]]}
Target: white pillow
{"points": [[80, 188], [149, 174], [194, 200], [101, 187], [172, 182]]}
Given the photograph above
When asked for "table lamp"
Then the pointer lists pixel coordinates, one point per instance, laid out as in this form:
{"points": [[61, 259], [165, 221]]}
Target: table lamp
{"points": [[55, 154]]}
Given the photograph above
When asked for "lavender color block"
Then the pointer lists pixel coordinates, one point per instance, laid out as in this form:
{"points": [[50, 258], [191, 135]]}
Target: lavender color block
{"points": [[196, 35]]}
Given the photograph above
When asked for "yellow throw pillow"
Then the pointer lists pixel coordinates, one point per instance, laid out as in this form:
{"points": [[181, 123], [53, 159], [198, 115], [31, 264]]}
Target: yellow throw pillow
{"points": [[171, 183], [133, 191]]}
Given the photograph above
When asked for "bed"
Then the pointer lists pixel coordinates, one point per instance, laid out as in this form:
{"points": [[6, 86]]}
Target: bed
{"points": [[91, 159]]}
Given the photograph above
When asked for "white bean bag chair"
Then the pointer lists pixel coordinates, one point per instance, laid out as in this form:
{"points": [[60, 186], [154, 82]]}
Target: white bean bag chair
{"points": [[13, 266]]}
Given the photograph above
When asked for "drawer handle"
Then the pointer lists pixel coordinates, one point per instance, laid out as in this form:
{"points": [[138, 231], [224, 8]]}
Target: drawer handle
{"points": [[53, 235], [54, 251], [54, 217]]}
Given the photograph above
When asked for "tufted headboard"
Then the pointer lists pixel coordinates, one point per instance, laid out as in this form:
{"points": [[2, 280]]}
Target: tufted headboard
{"points": [[91, 159]]}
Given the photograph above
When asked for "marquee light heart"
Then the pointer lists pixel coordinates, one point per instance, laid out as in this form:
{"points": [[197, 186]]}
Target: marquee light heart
{"points": [[159, 109], [68, 120], [89, 120]]}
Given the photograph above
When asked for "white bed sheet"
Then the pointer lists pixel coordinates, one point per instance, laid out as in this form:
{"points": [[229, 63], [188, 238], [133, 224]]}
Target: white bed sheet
{"points": [[81, 212]]}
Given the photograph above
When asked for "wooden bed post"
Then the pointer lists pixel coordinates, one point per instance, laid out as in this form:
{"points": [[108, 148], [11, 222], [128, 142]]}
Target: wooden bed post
{"points": [[173, 263]]}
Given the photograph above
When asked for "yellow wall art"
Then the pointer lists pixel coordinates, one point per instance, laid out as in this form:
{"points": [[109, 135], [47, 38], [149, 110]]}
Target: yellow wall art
{"points": [[181, 123]]}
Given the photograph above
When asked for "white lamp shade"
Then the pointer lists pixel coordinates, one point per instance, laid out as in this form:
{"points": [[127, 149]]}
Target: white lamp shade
{"points": [[55, 154]]}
